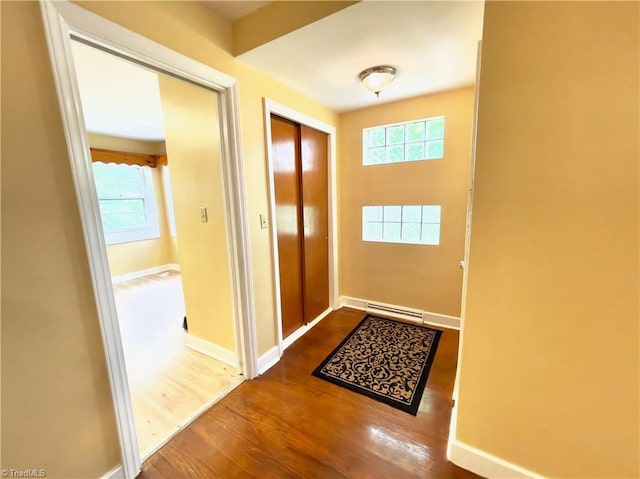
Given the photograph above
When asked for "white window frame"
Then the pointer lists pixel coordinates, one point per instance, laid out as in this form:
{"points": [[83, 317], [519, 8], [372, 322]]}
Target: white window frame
{"points": [[422, 222], [366, 147], [151, 229]]}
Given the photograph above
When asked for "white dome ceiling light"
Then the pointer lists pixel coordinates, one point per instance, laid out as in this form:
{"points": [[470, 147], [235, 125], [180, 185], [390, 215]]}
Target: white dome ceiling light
{"points": [[376, 78]]}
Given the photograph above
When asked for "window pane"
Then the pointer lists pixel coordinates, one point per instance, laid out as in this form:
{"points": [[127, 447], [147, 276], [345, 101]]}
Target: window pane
{"points": [[127, 202], [411, 141], [411, 214], [118, 180], [372, 213], [435, 129], [376, 137], [435, 149], [125, 188], [410, 224], [431, 213], [395, 135], [411, 232], [113, 172], [415, 151], [393, 213], [122, 206], [372, 231], [391, 231], [395, 154], [415, 131], [376, 156], [430, 233], [113, 221]]}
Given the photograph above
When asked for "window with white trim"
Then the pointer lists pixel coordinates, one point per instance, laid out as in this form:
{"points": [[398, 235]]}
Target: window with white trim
{"points": [[127, 202], [410, 141], [412, 224]]}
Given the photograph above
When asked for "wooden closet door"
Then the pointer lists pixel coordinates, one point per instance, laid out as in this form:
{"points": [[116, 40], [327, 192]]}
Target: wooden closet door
{"points": [[285, 137], [315, 218]]}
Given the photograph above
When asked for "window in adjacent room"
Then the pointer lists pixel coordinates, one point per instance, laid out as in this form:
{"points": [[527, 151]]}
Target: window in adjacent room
{"points": [[410, 141], [127, 202], [413, 224]]}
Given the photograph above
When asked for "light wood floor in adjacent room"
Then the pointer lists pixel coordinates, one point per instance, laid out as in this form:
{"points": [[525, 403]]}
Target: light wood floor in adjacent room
{"points": [[169, 382], [289, 424]]}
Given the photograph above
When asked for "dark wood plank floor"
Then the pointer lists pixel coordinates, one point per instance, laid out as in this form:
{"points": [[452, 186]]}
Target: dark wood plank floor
{"points": [[288, 423]]}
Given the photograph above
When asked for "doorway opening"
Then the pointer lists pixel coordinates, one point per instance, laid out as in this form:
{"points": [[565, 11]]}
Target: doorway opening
{"points": [[150, 231], [65, 21]]}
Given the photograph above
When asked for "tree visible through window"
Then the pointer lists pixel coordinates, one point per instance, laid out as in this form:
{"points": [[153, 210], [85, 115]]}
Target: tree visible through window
{"points": [[127, 202], [410, 141]]}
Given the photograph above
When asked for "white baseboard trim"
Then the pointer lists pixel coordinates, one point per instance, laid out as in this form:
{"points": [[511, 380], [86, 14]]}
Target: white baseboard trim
{"points": [[268, 359], [434, 319], [485, 465], [115, 473], [442, 320], [355, 303], [302, 330], [271, 357], [211, 350], [145, 272]]}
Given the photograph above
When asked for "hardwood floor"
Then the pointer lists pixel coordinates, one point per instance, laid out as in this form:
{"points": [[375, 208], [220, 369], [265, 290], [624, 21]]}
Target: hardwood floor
{"points": [[169, 382], [288, 423]]}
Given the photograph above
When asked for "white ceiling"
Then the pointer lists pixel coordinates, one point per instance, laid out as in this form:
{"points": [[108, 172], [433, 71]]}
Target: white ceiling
{"points": [[119, 98], [433, 44]]}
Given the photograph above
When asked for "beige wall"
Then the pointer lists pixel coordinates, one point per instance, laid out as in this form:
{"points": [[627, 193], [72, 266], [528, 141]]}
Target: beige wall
{"points": [[417, 276], [138, 255], [549, 368], [57, 412], [192, 129], [53, 367], [276, 19]]}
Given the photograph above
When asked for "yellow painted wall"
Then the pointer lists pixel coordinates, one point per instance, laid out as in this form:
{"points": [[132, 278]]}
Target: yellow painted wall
{"points": [[192, 138], [278, 18], [138, 255], [53, 367], [418, 276], [549, 368], [57, 412]]}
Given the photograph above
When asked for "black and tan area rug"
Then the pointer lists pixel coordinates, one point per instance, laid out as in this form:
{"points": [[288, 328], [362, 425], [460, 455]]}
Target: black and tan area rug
{"points": [[384, 359]]}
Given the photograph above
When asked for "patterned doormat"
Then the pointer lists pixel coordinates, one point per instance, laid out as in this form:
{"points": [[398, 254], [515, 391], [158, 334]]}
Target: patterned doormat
{"points": [[384, 359]]}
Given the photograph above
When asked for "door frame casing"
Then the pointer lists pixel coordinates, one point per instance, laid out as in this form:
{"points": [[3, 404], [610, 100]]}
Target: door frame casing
{"points": [[62, 20], [274, 108], [469, 218]]}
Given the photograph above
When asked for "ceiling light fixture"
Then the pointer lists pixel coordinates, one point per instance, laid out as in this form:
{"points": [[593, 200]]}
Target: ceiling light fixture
{"points": [[376, 78]]}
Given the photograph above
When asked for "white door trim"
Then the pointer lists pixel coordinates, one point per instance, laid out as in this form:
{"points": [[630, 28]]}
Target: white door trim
{"points": [[467, 239], [270, 107], [62, 20]]}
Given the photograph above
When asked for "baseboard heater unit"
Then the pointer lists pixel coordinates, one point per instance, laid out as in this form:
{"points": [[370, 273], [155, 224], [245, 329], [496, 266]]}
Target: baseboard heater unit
{"points": [[413, 315]]}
